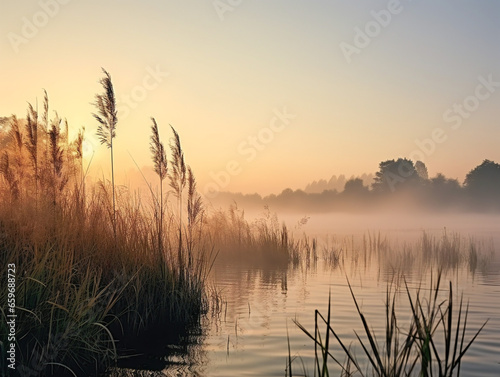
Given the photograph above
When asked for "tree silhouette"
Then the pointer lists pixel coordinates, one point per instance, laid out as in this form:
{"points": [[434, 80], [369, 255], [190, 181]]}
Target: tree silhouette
{"points": [[484, 181], [355, 186], [395, 174], [421, 170]]}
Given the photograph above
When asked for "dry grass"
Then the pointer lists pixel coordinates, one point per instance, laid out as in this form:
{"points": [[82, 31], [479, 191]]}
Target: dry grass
{"points": [[98, 266]]}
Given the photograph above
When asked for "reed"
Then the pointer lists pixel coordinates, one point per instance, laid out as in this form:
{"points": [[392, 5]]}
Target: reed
{"points": [[262, 242], [160, 167], [445, 251], [32, 142], [177, 177], [96, 271], [106, 131], [76, 288], [84, 292], [414, 350]]}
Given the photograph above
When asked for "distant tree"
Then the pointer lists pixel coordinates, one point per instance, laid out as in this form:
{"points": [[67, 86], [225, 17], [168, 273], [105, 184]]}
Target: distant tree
{"points": [[441, 183], [355, 186], [444, 192], [421, 170], [484, 180], [336, 183], [395, 174], [367, 179]]}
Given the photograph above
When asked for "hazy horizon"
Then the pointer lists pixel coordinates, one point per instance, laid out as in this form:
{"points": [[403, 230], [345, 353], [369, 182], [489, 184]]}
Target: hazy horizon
{"points": [[304, 89]]}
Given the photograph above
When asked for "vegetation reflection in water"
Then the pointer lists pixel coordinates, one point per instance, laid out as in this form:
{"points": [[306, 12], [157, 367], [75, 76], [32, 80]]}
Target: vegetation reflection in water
{"points": [[434, 337]]}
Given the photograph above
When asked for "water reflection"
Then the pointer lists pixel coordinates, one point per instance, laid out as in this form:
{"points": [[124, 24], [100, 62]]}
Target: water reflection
{"points": [[254, 302], [178, 351]]}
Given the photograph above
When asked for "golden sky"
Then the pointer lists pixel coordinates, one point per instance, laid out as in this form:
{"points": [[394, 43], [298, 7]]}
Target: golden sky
{"points": [[267, 95]]}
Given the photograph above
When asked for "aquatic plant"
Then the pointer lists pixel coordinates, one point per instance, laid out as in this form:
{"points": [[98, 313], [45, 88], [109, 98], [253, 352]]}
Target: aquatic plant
{"points": [[414, 350]]}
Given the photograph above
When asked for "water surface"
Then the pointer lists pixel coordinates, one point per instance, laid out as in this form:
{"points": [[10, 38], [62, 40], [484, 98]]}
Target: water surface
{"points": [[247, 332]]}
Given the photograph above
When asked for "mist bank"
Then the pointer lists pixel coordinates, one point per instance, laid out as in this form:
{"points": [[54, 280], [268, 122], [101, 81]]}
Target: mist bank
{"points": [[420, 201], [398, 186], [289, 201]]}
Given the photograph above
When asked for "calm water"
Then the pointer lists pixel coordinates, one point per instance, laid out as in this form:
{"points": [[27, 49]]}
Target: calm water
{"points": [[247, 335]]}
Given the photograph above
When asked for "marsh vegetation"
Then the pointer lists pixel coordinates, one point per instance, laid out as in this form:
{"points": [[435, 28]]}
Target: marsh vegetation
{"points": [[100, 267]]}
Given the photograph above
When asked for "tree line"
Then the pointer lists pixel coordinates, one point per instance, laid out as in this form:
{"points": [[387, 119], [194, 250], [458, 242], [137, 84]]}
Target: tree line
{"points": [[398, 184]]}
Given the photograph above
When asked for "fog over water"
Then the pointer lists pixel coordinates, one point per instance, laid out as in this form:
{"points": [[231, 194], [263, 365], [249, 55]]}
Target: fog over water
{"points": [[345, 223]]}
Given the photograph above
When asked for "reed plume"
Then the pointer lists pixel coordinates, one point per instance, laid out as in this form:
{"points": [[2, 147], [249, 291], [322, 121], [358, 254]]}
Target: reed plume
{"points": [[77, 146], [195, 203], [158, 152], [160, 166], [45, 115], [16, 135], [106, 131], [32, 142], [45, 122], [194, 210], [56, 154], [177, 177], [178, 173], [8, 174], [77, 150]]}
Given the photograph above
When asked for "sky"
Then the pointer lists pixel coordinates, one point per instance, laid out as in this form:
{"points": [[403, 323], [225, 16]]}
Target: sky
{"points": [[265, 95]]}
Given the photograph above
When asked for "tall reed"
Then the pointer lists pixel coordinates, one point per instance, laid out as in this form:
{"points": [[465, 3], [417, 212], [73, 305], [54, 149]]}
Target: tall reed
{"points": [[32, 142], [160, 167], [177, 177], [107, 117]]}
